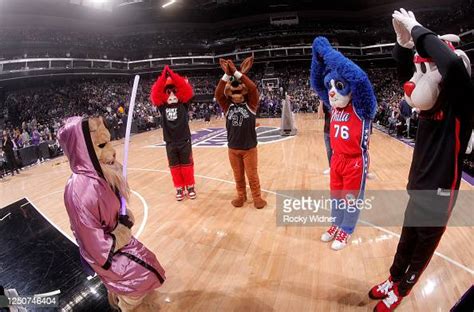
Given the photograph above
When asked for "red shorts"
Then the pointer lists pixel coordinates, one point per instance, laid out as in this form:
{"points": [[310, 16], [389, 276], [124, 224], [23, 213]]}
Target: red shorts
{"points": [[348, 175]]}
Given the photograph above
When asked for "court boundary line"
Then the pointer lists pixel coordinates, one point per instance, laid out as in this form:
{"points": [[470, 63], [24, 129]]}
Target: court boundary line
{"points": [[51, 222], [138, 233], [145, 213], [382, 229]]}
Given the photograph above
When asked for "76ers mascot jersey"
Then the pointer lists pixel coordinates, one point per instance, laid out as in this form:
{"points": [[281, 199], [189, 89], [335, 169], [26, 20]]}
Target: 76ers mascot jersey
{"points": [[349, 142]]}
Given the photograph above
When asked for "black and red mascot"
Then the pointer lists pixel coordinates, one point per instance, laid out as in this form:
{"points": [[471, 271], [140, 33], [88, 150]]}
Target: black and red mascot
{"points": [[172, 94], [441, 89]]}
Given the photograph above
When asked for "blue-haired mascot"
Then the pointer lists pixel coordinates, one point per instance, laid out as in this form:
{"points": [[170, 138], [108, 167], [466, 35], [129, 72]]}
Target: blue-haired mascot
{"points": [[346, 90]]}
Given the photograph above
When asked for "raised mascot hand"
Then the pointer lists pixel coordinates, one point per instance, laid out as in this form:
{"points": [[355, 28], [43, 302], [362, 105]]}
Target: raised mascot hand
{"points": [[224, 66], [403, 22], [166, 71], [232, 67]]}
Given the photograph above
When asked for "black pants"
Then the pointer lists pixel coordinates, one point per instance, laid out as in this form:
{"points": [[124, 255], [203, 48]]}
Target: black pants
{"points": [[179, 153], [424, 225], [38, 153], [12, 166]]}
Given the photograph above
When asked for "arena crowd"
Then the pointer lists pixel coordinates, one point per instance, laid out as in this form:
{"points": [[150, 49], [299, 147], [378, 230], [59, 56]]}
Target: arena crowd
{"points": [[34, 115]]}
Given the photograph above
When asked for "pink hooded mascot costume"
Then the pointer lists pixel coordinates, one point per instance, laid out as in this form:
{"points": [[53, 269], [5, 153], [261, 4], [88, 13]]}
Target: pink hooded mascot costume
{"points": [[131, 271]]}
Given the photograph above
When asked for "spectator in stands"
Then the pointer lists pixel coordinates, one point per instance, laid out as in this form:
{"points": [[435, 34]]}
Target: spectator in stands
{"points": [[18, 139], [2, 163], [35, 142], [25, 137], [7, 146]]}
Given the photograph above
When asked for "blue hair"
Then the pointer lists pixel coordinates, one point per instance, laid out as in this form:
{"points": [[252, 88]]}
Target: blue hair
{"points": [[329, 62]]}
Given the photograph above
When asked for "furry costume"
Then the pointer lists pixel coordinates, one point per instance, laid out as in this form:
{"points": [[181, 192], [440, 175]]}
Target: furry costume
{"points": [[343, 86], [238, 97], [172, 93], [442, 90], [128, 269]]}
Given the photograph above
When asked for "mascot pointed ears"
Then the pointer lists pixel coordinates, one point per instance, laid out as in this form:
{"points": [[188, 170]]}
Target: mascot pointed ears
{"points": [[338, 81]]}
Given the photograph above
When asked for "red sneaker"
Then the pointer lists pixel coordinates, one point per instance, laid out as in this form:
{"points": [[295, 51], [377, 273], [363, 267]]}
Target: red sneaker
{"points": [[330, 234], [191, 192], [381, 290], [179, 194], [391, 302], [341, 240]]}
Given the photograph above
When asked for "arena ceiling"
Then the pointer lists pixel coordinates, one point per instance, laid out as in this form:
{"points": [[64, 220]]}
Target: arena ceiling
{"points": [[265, 5], [126, 12], [219, 10]]}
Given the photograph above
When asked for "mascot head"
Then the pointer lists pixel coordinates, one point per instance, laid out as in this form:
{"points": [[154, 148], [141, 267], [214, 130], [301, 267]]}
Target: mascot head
{"points": [[235, 90], [86, 143], [338, 81], [422, 90], [170, 89]]}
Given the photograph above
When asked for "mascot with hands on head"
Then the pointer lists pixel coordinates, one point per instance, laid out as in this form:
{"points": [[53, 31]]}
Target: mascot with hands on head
{"points": [[172, 94], [238, 97], [347, 92], [128, 269], [441, 89]]}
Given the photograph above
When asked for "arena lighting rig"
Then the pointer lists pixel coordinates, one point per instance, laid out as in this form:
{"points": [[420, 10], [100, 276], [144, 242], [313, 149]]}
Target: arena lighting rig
{"points": [[130, 2], [167, 4]]}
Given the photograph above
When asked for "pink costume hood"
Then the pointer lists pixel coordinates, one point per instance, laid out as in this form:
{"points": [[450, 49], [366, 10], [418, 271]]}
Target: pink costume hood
{"points": [[93, 209]]}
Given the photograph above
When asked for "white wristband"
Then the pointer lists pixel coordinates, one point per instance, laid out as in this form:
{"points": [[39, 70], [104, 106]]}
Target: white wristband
{"points": [[238, 75], [225, 77]]}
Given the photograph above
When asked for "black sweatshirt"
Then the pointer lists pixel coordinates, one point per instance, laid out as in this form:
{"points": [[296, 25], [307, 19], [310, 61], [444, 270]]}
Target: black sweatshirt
{"points": [[240, 124], [175, 122], [445, 130]]}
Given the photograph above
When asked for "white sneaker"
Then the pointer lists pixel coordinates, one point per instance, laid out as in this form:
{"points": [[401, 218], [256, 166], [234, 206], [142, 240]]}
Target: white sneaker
{"points": [[371, 176], [327, 171], [341, 240], [330, 234]]}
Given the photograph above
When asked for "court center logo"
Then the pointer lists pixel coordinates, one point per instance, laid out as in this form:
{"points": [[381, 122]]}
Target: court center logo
{"points": [[217, 137]]}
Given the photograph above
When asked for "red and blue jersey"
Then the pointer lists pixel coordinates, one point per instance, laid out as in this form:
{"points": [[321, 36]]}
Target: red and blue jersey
{"points": [[348, 132], [349, 136]]}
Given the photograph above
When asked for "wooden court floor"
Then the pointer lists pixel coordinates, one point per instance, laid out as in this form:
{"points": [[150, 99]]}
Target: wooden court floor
{"points": [[220, 258]]}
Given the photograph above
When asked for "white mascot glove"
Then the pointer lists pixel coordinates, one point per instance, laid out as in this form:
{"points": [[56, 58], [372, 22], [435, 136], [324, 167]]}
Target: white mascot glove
{"points": [[470, 144], [403, 22]]}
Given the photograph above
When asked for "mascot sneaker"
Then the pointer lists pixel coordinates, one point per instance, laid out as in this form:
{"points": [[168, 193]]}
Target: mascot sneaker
{"points": [[341, 240], [330, 234], [179, 194], [259, 203], [327, 171], [381, 290], [191, 192], [391, 302], [239, 201]]}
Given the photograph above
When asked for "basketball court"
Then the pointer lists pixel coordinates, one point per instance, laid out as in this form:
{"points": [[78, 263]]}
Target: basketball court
{"points": [[218, 257]]}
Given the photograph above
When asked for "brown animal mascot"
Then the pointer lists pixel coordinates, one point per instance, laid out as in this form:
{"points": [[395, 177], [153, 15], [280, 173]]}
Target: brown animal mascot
{"points": [[238, 97]]}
